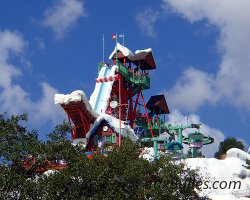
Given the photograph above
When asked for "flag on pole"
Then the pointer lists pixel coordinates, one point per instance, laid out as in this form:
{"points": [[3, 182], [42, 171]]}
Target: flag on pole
{"points": [[114, 36], [123, 38]]}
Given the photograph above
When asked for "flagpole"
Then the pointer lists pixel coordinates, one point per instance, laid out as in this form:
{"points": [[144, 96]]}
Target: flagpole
{"points": [[103, 48], [120, 104], [116, 49], [123, 39]]}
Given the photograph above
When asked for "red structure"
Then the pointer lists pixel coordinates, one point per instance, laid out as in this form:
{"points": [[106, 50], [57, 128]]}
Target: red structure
{"points": [[129, 79], [133, 82], [81, 118]]}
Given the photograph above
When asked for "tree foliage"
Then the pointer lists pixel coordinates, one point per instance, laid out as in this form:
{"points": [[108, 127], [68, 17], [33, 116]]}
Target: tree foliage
{"points": [[227, 144], [248, 164], [123, 174]]}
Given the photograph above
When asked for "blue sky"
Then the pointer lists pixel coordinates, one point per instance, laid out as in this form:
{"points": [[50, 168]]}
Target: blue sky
{"points": [[201, 51]]}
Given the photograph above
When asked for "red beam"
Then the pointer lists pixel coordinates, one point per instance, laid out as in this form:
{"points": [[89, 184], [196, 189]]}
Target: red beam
{"points": [[152, 134], [83, 118], [72, 135], [136, 102]]}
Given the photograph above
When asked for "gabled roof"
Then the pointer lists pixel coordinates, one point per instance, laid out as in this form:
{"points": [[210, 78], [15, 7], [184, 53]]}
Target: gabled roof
{"points": [[145, 59], [121, 52], [113, 122], [158, 104]]}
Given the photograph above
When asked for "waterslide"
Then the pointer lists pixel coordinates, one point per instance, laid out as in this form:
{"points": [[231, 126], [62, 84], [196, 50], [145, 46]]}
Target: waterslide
{"points": [[83, 112], [100, 96]]}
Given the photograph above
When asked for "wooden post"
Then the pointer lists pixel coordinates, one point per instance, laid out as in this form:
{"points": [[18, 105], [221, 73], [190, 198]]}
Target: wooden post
{"points": [[116, 49]]}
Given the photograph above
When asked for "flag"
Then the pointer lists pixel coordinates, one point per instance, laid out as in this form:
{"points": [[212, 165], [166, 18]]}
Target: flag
{"points": [[113, 36]]}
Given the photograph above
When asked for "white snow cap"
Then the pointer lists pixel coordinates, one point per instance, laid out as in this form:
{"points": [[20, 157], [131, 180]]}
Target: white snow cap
{"points": [[237, 153], [125, 51], [144, 50], [127, 131], [75, 96]]}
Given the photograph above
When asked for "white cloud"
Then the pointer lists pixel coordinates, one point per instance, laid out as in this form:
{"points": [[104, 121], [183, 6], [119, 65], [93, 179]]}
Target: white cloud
{"points": [[63, 16], [193, 89], [40, 43], [231, 83], [177, 118], [13, 98], [146, 20]]}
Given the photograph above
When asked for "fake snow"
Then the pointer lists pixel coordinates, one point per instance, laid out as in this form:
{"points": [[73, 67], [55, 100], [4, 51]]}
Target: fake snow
{"points": [[82, 141], [75, 96], [143, 51], [126, 130], [222, 171], [125, 51]]}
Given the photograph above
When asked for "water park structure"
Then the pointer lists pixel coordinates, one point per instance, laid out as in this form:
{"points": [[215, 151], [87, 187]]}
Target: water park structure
{"points": [[117, 108]]}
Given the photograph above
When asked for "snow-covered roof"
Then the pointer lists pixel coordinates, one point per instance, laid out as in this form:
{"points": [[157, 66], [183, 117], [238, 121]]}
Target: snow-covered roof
{"points": [[143, 51], [125, 51], [75, 96], [127, 131]]}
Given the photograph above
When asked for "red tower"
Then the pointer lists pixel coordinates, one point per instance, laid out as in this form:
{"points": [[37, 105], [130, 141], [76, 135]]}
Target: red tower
{"points": [[134, 77]]}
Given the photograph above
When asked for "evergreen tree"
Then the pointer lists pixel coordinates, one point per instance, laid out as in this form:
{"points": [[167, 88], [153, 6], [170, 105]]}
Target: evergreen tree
{"points": [[248, 164], [227, 144], [123, 174]]}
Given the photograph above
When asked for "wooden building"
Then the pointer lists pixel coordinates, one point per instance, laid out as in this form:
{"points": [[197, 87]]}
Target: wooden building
{"points": [[106, 131]]}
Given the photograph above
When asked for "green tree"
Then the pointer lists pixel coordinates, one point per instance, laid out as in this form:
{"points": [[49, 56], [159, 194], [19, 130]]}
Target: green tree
{"points": [[248, 164], [227, 144], [123, 174]]}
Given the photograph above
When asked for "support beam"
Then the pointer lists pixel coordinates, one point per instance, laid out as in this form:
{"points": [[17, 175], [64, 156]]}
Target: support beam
{"points": [[136, 102], [152, 134], [72, 135], [83, 121], [120, 104]]}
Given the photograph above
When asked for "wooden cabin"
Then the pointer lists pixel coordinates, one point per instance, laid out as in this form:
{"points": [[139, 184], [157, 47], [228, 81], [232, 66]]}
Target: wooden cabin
{"points": [[103, 133], [159, 108], [106, 131]]}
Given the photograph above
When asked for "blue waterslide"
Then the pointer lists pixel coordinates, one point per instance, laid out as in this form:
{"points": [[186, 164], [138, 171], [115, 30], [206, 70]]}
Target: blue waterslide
{"points": [[102, 93]]}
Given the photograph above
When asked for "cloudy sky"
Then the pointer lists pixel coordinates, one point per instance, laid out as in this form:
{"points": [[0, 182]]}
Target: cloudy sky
{"points": [[201, 49]]}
